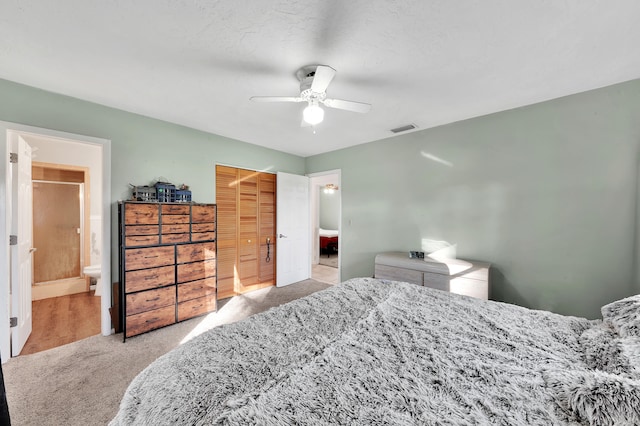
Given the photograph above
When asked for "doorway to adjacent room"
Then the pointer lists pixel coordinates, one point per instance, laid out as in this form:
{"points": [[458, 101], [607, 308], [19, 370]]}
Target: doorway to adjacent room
{"points": [[326, 199]]}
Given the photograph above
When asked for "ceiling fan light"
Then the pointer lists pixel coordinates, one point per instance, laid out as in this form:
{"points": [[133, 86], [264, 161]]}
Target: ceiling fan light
{"points": [[313, 114]]}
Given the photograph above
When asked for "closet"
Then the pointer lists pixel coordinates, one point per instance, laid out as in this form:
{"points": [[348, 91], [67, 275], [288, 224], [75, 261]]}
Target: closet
{"points": [[246, 202]]}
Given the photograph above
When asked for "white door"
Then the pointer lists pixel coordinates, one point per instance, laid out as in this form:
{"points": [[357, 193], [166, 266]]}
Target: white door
{"points": [[293, 246], [21, 253]]}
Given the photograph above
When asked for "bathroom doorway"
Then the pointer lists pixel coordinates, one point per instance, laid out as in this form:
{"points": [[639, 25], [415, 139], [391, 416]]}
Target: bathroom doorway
{"points": [[61, 229], [64, 308], [56, 147], [326, 199]]}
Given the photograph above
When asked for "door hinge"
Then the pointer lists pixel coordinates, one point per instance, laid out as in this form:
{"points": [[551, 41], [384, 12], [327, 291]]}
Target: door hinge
{"points": [[13, 157], [13, 240], [13, 322]]}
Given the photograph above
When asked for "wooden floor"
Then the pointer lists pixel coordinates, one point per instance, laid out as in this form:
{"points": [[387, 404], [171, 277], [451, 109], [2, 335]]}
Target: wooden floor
{"points": [[61, 320]]}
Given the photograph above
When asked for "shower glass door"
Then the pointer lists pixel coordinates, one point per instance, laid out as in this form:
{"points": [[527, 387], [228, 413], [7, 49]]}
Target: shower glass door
{"points": [[57, 230]]}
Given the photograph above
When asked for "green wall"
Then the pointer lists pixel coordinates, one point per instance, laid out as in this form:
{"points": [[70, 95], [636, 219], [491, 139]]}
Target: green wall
{"points": [[547, 193], [142, 149]]}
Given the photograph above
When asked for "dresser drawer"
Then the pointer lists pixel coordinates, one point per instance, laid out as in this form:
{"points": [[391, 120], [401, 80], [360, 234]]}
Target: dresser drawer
{"points": [[196, 252], [175, 238], [151, 299], [195, 307], [201, 214], [145, 279], [203, 236], [175, 218], [180, 228], [196, 271], [138, 214], [149, 257], [196, 289], [141, 230], [203, 227], [150, 320], [175, 209], [142, 240], [141, 235]]}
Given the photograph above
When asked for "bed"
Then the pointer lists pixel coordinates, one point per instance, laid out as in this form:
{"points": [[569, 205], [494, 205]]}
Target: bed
{"points": [[328, 241], [378, 352]]}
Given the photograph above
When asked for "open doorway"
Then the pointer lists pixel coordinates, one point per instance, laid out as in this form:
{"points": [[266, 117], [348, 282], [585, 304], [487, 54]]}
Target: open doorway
{"points": [[325, 226], [77, 154], [64, 306]]}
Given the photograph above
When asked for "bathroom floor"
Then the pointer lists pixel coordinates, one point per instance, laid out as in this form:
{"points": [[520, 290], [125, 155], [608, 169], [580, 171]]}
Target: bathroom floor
{"points": [[61, 320], [326, 274]]}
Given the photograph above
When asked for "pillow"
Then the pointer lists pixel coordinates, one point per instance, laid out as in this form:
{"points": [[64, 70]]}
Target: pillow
{"points": [[623, 316], [596, 397]]}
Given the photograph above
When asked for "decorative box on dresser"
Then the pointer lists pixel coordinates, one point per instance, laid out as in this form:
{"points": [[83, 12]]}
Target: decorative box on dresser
{"points": [[167, 263], [467, 277]]}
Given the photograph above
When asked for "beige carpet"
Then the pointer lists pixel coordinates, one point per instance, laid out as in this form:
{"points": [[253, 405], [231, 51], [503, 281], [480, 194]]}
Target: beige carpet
{"points": [[82, 383]]}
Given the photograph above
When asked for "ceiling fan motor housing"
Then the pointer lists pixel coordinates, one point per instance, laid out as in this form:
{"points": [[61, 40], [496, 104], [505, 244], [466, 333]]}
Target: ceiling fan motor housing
{"points": [[314, 80]]}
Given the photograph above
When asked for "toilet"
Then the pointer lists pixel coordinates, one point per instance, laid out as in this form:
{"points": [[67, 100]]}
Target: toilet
{"points": [[93, 271]]}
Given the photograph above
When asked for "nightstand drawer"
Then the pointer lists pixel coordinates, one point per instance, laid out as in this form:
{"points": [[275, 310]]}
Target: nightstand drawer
{"points": [[398, 274], [470, 287], [437, 281]]}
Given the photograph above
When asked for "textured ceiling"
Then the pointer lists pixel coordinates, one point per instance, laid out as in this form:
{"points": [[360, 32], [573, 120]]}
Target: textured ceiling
{"points": [[198, 62]]}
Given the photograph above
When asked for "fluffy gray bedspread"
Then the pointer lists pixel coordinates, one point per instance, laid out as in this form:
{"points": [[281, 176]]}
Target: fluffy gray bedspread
{"points": [[365, 352]]}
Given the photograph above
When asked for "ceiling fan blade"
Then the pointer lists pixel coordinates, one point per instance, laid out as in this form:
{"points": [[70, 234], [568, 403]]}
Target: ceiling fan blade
{"points": [[276, 99], [347, 105], [322, 77]]}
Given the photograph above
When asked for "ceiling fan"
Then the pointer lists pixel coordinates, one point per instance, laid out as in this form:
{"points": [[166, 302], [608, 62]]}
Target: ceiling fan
{"points": [[314, 80]]}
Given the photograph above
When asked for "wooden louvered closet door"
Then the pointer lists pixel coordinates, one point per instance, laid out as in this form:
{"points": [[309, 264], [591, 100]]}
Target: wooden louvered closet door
{"points": [[246, 219]]}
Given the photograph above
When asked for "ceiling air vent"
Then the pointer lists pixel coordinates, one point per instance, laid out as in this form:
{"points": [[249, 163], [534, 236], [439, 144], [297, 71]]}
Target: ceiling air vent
{"points": [[404, 128]]}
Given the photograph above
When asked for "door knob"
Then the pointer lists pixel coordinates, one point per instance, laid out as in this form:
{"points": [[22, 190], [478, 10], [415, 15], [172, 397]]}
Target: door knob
{"points": [[32, 249], [282, 236]]}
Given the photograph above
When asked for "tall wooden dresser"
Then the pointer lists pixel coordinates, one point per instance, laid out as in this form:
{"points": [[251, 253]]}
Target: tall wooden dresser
{"points": [[167, 263]]}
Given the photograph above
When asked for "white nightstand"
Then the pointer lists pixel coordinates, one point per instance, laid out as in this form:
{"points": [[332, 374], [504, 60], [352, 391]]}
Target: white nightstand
{"points": [[467, 277]]}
